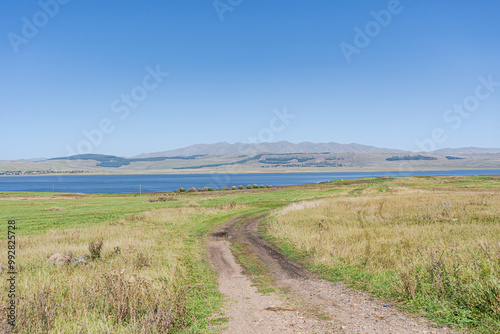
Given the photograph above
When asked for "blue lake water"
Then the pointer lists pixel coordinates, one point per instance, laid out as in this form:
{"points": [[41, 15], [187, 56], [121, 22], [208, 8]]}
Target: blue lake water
{"points": [[113, 184]]}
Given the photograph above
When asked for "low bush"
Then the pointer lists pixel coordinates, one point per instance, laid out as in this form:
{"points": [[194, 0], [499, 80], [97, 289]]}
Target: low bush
{"points": [[141, 261], [95, 248]]}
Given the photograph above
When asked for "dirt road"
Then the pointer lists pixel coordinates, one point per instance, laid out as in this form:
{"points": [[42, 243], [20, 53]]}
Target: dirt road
{"points": [[313, 305]]}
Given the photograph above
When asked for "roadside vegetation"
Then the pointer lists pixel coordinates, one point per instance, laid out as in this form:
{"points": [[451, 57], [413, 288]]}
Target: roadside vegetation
{"points": [[430, 244]]}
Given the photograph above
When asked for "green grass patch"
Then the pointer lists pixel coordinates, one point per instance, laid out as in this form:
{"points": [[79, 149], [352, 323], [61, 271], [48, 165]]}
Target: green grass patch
{"points": [[257, 272]]}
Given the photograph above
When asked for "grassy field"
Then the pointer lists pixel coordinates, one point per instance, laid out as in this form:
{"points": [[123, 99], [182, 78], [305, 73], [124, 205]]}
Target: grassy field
{"points": [[152, 275], [431, 244]]}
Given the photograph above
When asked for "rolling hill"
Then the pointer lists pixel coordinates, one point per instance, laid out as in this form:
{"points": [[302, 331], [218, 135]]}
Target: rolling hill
{"points": [[280, 147], [263, 157]]}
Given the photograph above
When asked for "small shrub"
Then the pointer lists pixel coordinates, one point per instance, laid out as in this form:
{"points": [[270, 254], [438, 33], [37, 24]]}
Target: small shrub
{"points": [[141, 261], [117, 250], [255, 186], [95, 248], [233, 188], [262, 186], [182, 190], [210, 189], [191, 190], [269, 186], [198, 189], [249, 187], [240, 187], [226, 188]]}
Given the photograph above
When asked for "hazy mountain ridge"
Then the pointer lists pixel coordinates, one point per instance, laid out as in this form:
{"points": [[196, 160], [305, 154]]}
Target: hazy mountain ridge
{"points": [[254, 163], [467, 150], [281, 147]]}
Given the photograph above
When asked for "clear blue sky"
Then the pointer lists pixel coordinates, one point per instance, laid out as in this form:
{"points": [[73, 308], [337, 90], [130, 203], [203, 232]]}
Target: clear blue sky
{"points": [[227, 76]]}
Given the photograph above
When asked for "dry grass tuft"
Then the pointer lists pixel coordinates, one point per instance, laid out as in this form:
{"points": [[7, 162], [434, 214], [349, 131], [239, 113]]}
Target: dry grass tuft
{"points": [[229, 206], [55, 208]]}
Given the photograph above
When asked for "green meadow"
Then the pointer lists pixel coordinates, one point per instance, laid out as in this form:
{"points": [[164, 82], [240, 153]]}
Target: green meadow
{"points": [[429, 244]]}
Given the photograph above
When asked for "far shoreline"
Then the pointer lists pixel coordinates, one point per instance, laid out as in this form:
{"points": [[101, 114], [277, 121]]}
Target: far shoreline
{"points": [[251, 171]]}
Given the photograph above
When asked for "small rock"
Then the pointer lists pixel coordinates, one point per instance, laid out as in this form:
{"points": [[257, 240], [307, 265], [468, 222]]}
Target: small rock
{"points": [[2, 267], [59, 259], [80, 259]]}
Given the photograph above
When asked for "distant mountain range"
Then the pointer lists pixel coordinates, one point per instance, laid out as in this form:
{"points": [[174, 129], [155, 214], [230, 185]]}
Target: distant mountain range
{"points": [[262, 157], [281, 147], [476, 150]]}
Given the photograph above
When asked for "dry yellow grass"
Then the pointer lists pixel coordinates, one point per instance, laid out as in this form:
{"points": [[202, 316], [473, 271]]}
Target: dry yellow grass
{"points": [[387, 230], [426, 242], [55, 209], [138, 285]]}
